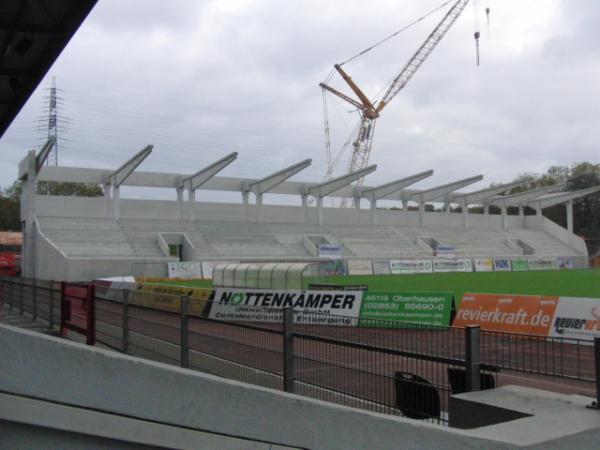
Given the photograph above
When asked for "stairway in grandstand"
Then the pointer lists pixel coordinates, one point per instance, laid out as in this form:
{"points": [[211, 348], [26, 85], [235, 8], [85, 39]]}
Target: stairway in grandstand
{"points": [[78, 237]]}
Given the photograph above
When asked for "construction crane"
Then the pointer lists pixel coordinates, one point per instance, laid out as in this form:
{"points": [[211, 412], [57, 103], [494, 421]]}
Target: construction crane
{"points": [[370, 111]]}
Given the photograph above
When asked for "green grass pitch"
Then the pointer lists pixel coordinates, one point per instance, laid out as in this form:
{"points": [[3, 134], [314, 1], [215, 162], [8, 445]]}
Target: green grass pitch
{"points": [[573, 283]]}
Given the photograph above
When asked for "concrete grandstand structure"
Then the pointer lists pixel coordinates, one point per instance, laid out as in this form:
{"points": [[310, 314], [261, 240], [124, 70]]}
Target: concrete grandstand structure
{"points": [[77, 238]]}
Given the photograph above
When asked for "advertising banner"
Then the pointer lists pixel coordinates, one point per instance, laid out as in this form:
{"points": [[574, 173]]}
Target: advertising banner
{"points": [[434, 308], [190, 269], [168, 298], [483, 264], [530, 314], [565, 262], [332, 267], [330, 251], [577, 318], [266, 305], [519, 264], [381, 267], [360, 267], [411, 266], [502, 265], [207, 268], [452, 265], [445, 251], [543, 264]]}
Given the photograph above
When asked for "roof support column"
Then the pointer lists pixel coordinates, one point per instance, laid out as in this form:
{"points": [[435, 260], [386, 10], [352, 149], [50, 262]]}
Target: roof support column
{"points": [[179, 190], [320, 210], [421, 213], [538, 212], [191, 203], [116, 199], [503, 213], [374, 213], [357, 209], [570, 216], [304, 198], [118, 177], [465, 215]]}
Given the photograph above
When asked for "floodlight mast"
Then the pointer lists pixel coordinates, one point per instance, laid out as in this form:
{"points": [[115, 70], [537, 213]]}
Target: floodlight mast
{"points": [[363, 142]]}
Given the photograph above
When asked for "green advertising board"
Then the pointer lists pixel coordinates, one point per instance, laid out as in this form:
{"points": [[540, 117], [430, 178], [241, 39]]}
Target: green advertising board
{"points": [[520, 265], [386, 309]]}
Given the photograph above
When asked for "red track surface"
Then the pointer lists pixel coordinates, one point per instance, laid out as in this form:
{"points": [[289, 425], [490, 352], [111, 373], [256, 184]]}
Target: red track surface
{"points": [[361, 373]]}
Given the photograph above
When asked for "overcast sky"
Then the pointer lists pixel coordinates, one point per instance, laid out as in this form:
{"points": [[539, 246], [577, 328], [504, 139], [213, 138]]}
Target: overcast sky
{"points": [[201, 79]]}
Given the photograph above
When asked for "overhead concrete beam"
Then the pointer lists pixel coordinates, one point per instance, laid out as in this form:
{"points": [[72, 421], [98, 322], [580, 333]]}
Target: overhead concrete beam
{"points": [[547, 200], [328, 187], [439, 192], [476, 197], [379, 192], [267, 183], [522, 198], [117, 177], [196, 180], [42, 156]]}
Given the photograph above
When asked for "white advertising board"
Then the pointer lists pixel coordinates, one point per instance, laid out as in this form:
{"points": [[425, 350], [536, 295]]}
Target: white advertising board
{"points": [[360, 267], [576, 318], [541, 263], [207, 268], [266, 305], [401, 266], [483, 264], [381, 267], [502, 265], [452, 265], [332, 251], [189, 269]]}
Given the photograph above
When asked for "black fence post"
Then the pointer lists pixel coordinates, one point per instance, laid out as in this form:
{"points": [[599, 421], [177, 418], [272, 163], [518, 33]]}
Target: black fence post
{"points": [[472, 358], [21, 283], [51, 306], [288, 350], [596, 404], [12, 294], [125, 294], [184, 331], [34, 298], [3, 293]]}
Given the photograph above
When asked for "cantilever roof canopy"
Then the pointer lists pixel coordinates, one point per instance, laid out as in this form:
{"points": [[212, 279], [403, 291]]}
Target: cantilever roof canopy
{"points": [[33, 33], [547, 200]]}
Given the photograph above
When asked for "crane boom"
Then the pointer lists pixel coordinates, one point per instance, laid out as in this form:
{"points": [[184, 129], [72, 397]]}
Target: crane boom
{"points": [[363, 140], [422, 53]]}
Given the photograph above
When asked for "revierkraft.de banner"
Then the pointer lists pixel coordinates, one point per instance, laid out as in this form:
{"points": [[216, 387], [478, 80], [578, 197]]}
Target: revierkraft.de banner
{"points": [[530, 314], [266, 305], [433, 308]]}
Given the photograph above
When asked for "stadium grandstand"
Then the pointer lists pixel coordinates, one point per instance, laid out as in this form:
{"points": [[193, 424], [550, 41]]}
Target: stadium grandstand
{"points": [[77, 238]]}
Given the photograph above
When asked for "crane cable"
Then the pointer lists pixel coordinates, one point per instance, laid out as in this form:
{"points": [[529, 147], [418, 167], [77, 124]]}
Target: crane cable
{"points": [[377, 44]]}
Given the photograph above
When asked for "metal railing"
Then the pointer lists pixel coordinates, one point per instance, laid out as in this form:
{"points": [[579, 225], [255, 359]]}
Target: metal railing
{"points": [[396, 368]]}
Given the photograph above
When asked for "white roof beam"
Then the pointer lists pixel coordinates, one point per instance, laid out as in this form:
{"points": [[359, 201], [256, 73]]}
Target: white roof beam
{"points": [[376, 193], [269, 182], [439, 192], [545, 201], [41, 157], [522, 198], [193, 182], [328, 187], [117, 177], [475, 197]]}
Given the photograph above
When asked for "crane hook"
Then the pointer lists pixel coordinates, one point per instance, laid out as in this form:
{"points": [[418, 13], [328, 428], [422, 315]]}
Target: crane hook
{"points": [[487, 15], [476, 35]]}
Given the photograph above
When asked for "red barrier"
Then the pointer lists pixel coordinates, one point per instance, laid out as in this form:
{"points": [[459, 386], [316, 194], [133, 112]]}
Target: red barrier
{"points": [[78, 310]]}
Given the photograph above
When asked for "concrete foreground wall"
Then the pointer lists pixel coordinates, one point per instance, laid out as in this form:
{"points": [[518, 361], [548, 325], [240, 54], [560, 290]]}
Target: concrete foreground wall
{"points": [[52, 370]]}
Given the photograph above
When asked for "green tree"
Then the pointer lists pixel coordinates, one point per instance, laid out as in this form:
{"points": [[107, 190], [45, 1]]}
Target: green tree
{"points": [[10, 198]]}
